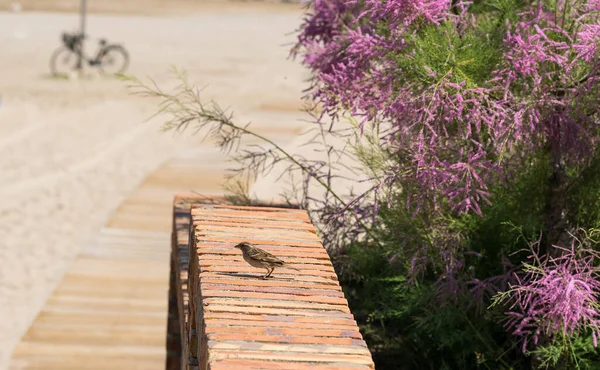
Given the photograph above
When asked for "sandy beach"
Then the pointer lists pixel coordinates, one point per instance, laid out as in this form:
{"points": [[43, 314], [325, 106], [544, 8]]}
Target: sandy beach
{"points": [[72, 150]]}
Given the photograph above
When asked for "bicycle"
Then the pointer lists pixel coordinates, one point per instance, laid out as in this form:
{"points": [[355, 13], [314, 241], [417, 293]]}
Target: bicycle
{"points": [[67, 57]]}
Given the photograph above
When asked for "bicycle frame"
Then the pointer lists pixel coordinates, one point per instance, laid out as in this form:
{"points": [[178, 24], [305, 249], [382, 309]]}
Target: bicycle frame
{"points": [[75, 43], [74, 56]]}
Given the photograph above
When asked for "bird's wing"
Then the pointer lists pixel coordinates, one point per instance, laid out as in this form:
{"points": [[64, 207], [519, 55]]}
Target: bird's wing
{"points": [[265, 256]]}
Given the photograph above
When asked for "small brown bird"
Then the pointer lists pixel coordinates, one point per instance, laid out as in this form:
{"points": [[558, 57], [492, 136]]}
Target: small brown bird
{"points": [[256, 257]]}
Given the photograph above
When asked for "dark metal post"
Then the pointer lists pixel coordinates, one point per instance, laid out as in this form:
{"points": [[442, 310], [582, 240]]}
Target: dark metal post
{"points": [[82, 9]]}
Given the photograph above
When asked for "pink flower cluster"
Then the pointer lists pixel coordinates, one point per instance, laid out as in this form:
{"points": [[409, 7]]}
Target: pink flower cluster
{"points": [[559, 294], [455, 137]]}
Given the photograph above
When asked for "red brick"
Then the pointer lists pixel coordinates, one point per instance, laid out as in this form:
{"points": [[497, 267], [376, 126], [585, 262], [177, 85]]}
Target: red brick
{"points": [[262, 209], [305, 264], [264, 241], [299, 348], [253, 215], [237, 321], [271, 365], [281, 252], [284, 339], [241, 268], [255, 228], [292, 228], [222, 259], [284, 297], [310, 358], [327, 320], [207, 220], [303, 332], [274, 303], [257, 274], [327, 285], [273, 311]]}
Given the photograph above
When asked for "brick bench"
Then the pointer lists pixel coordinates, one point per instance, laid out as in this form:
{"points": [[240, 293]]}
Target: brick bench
{"points": [[222, 315]]}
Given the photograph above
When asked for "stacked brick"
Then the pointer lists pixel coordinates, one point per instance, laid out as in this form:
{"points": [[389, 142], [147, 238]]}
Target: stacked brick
{"points": [[178, 320], [231, 318]]}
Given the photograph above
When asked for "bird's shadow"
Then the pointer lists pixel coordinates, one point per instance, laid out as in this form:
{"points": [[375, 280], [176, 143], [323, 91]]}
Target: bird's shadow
{"points": [[259, 277]]}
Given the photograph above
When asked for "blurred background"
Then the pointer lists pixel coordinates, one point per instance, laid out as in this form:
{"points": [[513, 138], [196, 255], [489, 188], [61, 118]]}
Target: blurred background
{"points": [[72, 148]]}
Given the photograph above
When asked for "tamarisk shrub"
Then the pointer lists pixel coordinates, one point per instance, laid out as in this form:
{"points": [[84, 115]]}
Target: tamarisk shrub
{"points": [[469, 96]]}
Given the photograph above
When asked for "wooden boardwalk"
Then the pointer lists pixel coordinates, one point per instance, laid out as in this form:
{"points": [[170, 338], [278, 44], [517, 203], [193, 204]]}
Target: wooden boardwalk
{"points": [[110, 310]]}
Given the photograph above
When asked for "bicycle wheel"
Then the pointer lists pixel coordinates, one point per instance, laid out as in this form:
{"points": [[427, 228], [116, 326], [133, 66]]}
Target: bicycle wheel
{"points": [[113, 59], [63, 61]]}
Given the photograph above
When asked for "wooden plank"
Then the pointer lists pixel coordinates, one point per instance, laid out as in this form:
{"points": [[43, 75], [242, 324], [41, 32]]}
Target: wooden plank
{"points": [[110, 310]]}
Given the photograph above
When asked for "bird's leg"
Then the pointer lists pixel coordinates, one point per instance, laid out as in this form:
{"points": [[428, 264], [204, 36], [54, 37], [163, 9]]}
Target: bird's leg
{"points": [[270, 272], [267, 274]]}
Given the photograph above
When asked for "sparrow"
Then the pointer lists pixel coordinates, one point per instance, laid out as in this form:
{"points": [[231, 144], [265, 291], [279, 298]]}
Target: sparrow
{"points": [[256, 257]]}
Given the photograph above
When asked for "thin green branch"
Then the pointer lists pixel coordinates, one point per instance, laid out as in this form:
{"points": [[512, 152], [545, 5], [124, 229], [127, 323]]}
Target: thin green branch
{"points": [[186, 107]]}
